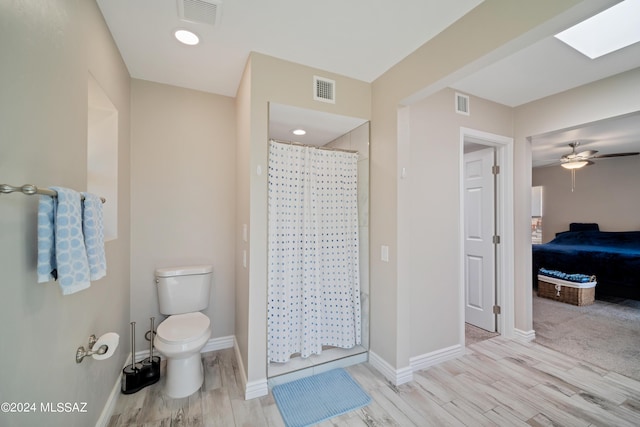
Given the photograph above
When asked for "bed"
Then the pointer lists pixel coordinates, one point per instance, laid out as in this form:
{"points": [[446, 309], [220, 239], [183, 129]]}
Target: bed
{"points": [[612, 256]]}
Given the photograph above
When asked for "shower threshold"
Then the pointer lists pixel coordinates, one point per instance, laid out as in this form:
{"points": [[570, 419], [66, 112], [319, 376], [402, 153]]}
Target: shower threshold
{"points": [[297, 367]]}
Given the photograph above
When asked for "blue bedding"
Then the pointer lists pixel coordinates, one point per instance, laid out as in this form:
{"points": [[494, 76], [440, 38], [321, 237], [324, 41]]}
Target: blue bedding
{"points": [[613, 257]]}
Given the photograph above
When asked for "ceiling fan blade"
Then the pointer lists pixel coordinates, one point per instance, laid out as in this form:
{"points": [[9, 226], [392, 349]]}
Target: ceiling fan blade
{"points": [[587, 153], [604, 156], [546, 163]]}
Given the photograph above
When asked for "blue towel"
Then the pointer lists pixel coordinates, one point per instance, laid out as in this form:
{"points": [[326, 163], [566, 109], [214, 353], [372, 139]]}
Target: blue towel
{"points": [[71, 254], [61, 250], [93, 229], [46, 239], [574, 277]]}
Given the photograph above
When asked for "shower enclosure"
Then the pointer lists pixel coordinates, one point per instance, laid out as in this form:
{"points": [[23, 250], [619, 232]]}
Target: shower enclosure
{"points": [[318, 291]]}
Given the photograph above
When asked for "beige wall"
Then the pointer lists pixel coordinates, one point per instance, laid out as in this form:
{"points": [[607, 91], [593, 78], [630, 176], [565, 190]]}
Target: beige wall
{"points": [[243, 176], [606, 193], [498, 27], [269, 79], [182, 195], [48, 50], [429, 222]]}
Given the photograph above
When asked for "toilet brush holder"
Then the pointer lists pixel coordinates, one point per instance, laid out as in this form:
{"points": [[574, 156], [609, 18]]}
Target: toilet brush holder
{"points": [[137, 376], [151, 365]]}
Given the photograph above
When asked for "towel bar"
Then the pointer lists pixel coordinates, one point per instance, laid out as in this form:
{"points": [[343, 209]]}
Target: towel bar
{"points": [[30, 189]]}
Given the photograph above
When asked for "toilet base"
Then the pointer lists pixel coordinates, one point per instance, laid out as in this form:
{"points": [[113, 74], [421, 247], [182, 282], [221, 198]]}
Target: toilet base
{"points": [[184, 376]]}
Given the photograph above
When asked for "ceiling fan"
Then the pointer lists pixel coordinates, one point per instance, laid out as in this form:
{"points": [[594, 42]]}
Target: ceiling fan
{"points": [[573, 160]]}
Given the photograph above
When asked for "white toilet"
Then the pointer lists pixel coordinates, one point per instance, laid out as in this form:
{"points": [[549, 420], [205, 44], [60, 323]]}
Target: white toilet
{"points": [[182, 293]]}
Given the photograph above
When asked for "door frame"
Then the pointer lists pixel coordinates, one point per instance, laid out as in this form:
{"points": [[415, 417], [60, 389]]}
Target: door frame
{"points": [[505, 228]]}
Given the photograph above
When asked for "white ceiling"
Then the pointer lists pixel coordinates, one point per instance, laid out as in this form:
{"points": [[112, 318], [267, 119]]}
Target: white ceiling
{"points": [[543, 69], [359, 39], [356, 38], [616, 135], [321, 127]]}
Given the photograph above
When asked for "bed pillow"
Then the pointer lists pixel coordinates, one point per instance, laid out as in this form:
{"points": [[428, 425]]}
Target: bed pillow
{"points": [[584, 226]]}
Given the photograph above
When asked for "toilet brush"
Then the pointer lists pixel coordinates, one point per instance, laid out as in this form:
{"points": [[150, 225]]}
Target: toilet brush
{"points": [[136, 376], [151, 365], [133, 345], [151, 339], [131, 373]]}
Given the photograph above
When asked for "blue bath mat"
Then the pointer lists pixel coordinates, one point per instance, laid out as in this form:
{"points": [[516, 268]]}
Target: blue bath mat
{"points": [[314, 399]]}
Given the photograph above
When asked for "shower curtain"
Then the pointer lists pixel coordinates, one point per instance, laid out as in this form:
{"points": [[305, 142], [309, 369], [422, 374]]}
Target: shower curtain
{"points": [[314, 283]]}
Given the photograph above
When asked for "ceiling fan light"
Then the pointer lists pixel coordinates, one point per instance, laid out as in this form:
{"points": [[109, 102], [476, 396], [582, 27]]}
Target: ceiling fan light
{"points": [[575, 165]]}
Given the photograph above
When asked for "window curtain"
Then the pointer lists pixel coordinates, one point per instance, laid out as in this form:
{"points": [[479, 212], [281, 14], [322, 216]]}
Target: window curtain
{"points": [[313, 278]]}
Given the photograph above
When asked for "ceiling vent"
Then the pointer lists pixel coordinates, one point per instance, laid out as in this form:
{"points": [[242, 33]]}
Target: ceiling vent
{"points": [[200, 11], [462, 104], [324, 90]]}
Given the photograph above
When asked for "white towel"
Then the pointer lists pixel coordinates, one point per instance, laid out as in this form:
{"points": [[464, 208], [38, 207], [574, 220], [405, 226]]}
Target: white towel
{"points": [[46, 239], [93, 229], [71, 254]]}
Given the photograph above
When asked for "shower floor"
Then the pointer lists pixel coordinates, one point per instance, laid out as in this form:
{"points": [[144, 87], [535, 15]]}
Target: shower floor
{"points": [[332, 356]]}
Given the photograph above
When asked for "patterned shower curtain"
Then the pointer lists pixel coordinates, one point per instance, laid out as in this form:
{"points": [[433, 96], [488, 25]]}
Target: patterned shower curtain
{"points": [[314, 283]]}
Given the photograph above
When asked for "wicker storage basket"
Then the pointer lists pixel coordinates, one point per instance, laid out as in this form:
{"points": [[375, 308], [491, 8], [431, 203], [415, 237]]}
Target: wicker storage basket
{"points": [[565, 291]]}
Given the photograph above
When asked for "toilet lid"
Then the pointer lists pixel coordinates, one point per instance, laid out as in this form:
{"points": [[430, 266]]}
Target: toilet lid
{"points": [[181, 328]]}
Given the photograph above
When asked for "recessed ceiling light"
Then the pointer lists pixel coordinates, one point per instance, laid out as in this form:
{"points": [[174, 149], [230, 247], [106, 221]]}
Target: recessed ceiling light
{"points": [[299, 132], [187, 37], [606, 32]]}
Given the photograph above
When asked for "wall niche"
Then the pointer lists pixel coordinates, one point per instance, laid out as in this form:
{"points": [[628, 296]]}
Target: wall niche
{"points": [[102, 154]]}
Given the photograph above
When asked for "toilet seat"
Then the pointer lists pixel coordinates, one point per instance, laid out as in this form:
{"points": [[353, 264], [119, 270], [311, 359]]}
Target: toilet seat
{"points": [[183, 328]]}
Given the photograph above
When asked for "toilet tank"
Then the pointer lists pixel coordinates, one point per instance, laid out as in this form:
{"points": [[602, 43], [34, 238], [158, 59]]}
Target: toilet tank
{"points": [[184, 289]]}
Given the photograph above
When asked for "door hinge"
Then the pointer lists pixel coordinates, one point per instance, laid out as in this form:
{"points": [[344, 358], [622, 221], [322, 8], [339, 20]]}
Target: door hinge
{"points": [[496, 309], [495, 169], [496, 240]]}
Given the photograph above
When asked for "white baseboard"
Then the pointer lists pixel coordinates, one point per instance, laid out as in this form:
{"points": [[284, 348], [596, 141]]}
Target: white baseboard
{"points": [[395, 376], [524, 336], [433, 358], [110, 405], [241, 370], [404, 375], [219, 343], [255, 389], [251, 389]]}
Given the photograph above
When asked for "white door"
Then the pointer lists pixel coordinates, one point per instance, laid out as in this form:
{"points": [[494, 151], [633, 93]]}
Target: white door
{"points": [[479, 224]]}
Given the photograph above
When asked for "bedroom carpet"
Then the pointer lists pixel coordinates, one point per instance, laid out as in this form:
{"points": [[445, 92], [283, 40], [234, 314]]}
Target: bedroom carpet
{"points": [[606, 333], [473, 334]]}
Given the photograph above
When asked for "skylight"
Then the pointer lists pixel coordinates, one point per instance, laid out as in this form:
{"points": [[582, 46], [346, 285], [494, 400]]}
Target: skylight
{"points": [[606, 32]]}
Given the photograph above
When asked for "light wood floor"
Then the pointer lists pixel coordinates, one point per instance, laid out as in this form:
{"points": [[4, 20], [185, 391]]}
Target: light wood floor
{"points": [[498, 382]]}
